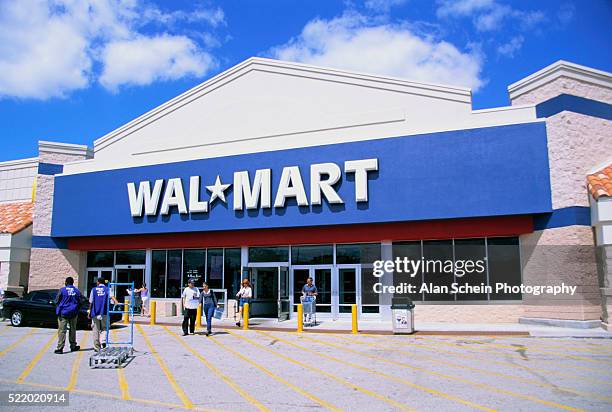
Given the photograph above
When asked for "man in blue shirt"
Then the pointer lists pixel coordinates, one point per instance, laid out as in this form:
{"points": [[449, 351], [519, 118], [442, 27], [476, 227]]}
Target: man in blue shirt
{"points": [[68, 303], [98, 310]]}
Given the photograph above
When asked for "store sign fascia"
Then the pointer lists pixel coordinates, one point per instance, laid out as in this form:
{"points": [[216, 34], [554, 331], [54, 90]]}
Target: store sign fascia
{"points": [[250, 194]]}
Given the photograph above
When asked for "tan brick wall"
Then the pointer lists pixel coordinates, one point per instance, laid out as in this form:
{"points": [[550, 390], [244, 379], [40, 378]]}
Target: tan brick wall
{"points": [[509, 313], [561, 255], [50, 267]]}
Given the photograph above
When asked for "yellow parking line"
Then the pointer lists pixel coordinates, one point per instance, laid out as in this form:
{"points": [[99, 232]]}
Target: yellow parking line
{"points": [[123, 383], [274, 376], [514, 355], [36, 359], [384, 375], [16, 343], [492, 361], [492, 373], [443, 375], [322, 372], [220, 374], [177, 389], [76, 365]]}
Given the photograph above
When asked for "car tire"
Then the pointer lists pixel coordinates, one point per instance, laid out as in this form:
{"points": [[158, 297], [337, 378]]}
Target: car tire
{"points": [[17, 318]]}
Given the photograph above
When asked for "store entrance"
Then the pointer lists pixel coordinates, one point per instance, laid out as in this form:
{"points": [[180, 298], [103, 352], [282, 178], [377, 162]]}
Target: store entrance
{"points": [[271, 297]]}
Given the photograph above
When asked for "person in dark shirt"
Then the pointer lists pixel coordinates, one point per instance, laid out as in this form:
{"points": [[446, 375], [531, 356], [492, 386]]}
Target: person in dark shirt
{"points": [[209, 304], [68, 304]]}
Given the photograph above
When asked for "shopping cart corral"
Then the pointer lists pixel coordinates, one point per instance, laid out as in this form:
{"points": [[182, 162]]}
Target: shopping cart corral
{"points": [[309, 307], [116, 354]]}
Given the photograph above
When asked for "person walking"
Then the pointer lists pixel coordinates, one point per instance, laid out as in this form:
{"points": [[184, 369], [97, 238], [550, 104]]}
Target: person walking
{"points": [[244, 294], [68, 303], [209, 303], [190, 299], [98, 310], [144, 296]]}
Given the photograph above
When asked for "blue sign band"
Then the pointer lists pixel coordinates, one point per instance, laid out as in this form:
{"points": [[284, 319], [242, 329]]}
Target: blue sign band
{"points": [[492, 171]]}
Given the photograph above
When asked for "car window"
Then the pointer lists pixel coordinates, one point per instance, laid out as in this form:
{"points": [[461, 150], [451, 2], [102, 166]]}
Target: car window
{"points": [[41, 297]]}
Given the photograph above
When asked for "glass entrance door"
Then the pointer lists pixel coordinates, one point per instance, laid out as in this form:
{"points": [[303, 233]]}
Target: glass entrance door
{"points": [[348, 290], [323, 281], [135, 275], [322, 278], [94, 273]]}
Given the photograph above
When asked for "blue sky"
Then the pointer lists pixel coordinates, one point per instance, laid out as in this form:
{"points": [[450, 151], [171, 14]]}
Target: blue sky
{"points": [[72, 71]]}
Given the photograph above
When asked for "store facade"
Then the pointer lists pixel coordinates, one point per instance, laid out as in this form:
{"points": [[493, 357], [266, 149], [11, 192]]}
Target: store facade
{"points": [[278, 172]]}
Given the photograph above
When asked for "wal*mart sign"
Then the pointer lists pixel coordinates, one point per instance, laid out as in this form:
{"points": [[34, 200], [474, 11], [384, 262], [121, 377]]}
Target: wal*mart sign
{"points": [[250, 193]]}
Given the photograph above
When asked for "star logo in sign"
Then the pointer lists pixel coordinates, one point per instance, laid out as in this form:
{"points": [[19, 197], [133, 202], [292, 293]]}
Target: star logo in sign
{"points": [[217, 190]]}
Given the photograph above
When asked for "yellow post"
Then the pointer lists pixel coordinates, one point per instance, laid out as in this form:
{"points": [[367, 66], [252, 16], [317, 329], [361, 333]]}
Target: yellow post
{"points": [[245, 316], [199, 317], [126, 312], [152, 312], [300, 318], [354, 316]]}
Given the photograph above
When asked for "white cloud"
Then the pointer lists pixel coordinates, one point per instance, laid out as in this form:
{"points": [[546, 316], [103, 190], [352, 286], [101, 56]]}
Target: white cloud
{"points": [[461, 8], [49, 48], [382, 6], [352, 42], [143, 60], [509, 49], [41, 55], [488, 15]]}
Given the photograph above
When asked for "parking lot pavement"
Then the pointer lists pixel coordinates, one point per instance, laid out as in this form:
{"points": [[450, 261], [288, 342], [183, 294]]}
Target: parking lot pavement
{"points": [[246, 370]]}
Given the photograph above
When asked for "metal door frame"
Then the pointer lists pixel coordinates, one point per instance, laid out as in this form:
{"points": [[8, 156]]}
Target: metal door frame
{"points": [[279, 298]]}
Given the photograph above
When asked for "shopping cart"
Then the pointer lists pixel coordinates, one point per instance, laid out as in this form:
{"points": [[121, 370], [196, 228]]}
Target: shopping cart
{"points": [[309, 306]]}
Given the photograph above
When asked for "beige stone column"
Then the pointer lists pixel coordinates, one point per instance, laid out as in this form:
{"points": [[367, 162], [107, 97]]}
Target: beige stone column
{"points": [[50, 261], [578, 144]]}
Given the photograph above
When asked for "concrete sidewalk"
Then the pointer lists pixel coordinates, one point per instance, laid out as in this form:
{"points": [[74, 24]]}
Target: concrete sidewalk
{"points": [[421, 328]]}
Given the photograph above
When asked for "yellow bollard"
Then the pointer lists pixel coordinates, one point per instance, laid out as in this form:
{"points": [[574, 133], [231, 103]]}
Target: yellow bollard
{"points": [[198, 324], [152, 312], [354, 316], [126, 310], [245, 316], [300, 318]]}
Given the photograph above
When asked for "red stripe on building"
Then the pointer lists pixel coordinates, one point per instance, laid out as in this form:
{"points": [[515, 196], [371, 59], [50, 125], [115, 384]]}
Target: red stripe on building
{"points": [[374, 232]]}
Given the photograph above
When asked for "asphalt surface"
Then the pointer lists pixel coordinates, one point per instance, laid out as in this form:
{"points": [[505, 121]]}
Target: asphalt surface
{"points": [[247, 370]]}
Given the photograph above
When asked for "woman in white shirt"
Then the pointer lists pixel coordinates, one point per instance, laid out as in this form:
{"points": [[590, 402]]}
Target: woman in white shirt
{"points": [[144, 295], [244, 294]]}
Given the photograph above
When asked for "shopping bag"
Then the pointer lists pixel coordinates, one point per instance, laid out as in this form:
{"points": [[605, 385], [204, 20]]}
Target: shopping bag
{"points": [[218, 313]]}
